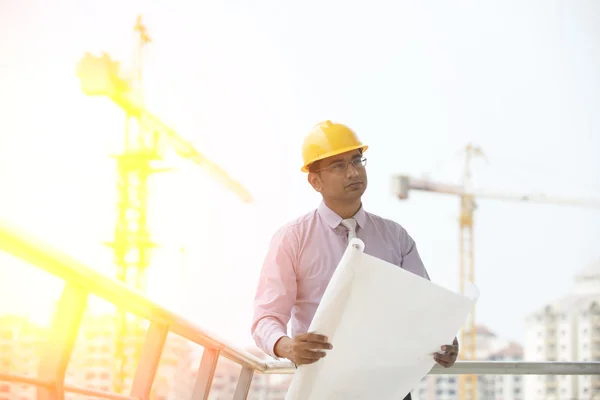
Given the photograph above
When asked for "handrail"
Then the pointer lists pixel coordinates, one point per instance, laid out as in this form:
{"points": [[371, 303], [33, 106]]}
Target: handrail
{"points": [[114, 291], [487, 368], [82, 281], [68, 388]]}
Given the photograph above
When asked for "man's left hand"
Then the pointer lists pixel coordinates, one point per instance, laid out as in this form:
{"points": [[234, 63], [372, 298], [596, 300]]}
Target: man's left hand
{"points": [[449, 355]]}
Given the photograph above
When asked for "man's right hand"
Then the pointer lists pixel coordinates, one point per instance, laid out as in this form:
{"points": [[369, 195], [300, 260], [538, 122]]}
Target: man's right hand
{"points": [[304, 348]]}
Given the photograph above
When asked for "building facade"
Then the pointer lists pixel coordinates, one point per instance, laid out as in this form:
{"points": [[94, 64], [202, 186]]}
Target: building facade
{"points": [[20, 347], [567, 329], [489, 387], [92, 362]]}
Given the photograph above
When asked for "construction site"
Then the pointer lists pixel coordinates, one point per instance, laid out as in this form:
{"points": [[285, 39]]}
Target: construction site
{"points": [[168, 232]]}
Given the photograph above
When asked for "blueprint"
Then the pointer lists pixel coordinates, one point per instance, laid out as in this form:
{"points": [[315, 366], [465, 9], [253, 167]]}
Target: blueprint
{"points": [[384, 323]]}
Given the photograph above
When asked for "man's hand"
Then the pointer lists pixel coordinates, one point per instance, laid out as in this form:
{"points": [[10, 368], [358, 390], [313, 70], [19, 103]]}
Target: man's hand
{"points": [[449, 356], [304, 348]]}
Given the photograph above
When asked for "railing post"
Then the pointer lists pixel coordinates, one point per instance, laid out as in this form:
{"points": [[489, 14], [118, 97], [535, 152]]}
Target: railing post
{"points": [[206, 372], [244, 382], [59, 347], [149, 360]]}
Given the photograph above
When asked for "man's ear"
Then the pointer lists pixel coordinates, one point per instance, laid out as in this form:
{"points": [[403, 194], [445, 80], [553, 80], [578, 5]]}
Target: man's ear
{"points": [[315, 181]]}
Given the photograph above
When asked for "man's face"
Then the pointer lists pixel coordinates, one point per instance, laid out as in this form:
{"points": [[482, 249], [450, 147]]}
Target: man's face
{"points": [[342, 177]]}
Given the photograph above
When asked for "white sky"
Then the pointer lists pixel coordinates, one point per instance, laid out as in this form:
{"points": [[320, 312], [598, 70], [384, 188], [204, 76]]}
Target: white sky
{"points": [[417, 81]]}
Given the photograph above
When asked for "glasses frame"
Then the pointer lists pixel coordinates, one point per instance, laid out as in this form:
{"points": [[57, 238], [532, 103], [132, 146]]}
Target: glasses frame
{"points": [[357, 163]]}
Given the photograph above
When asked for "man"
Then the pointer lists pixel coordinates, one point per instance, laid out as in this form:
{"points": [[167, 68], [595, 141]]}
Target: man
{"points": [[304, 253]]}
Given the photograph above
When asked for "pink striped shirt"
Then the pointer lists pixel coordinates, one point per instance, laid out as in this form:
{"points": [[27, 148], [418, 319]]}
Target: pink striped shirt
{"points": [[301, 260]]}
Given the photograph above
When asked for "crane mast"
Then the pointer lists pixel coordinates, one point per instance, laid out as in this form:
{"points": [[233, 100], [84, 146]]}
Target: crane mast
{"points": [[403, 184], [131, 244], [468, 383], [144, 141]]}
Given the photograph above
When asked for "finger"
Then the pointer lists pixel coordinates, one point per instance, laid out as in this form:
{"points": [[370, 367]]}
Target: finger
{"points": [[304, 361], [448, 348], [443, 363], [440, 359], [307, 358], [317, 345], [316, 337], [301, 337], [443, 357], [312, 354], [451, 353]]}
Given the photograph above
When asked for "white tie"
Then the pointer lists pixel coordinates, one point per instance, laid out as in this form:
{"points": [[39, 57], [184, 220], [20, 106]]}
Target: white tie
{"points": [[350, 224]]}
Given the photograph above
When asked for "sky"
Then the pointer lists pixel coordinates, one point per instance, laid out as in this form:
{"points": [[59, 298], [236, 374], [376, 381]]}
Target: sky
{"points": [[244, 81]]}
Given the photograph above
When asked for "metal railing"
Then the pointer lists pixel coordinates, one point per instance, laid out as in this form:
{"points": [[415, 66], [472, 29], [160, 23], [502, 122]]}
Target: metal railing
{"points": [[81, 281]]}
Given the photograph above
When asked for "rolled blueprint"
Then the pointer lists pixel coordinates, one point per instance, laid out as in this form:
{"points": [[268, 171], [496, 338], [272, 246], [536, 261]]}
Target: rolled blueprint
{"points": [[384, 323]]}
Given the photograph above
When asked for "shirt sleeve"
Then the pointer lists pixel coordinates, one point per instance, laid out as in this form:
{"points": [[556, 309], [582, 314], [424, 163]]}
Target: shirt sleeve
{"points": [[275, 294], [411, 260]]}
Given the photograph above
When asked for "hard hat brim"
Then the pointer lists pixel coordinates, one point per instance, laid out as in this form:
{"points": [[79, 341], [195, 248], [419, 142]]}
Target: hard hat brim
{"points": [[334, 153]]}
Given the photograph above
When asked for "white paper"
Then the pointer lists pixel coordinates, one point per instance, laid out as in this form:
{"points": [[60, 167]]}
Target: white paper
{"points": [[384, 323]]}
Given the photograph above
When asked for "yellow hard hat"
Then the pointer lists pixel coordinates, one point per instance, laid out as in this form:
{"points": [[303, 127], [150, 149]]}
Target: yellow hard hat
{"points": [[327, 139]]}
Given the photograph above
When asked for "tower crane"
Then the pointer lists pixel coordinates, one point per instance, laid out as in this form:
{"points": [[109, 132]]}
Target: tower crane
{"points": [[146, 140], [403, 184]]}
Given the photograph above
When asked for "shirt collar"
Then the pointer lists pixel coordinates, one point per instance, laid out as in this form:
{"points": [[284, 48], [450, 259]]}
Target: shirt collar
{"points": [[333, 220]]}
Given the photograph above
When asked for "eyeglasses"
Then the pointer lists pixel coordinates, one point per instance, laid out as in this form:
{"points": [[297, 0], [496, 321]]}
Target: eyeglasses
{"points": [[339, 167]]}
